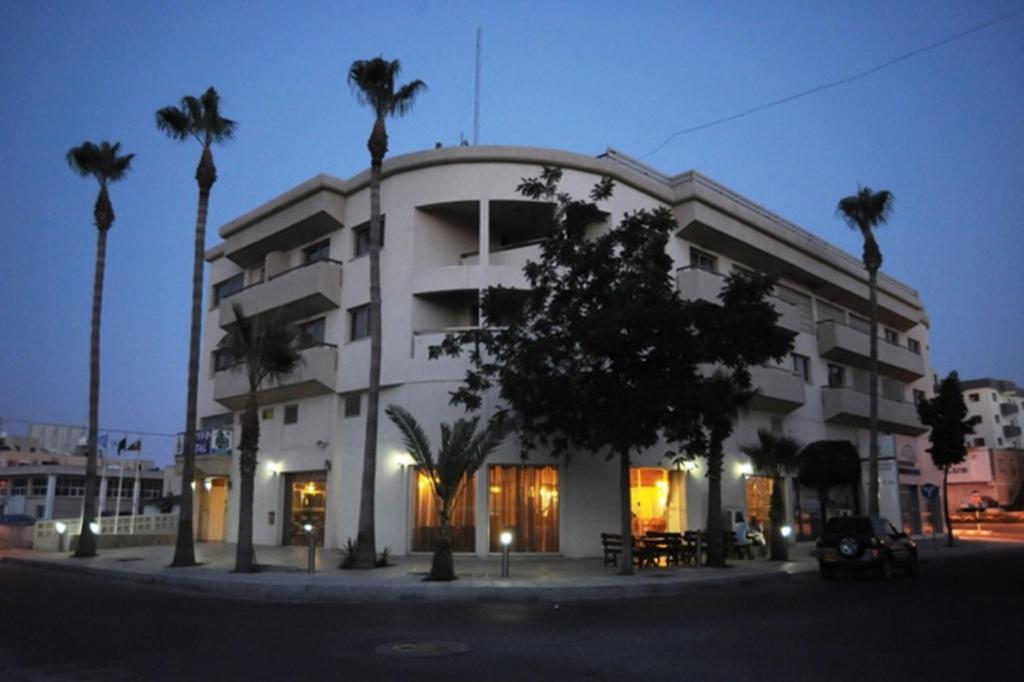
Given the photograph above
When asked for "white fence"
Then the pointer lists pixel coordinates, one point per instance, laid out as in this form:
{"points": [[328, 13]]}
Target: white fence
{"points": [[48, 539]]}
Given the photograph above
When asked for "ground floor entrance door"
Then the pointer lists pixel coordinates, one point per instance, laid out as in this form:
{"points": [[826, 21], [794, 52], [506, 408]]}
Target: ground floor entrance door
{"points": [[759, 498], [212, 498], [910, 508], [305, 501], [657, 498]]}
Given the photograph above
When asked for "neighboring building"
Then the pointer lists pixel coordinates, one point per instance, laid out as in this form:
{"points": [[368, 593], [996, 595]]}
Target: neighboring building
{"points": [[988, 477], [999, 404], [46, 485], [455, 225]]}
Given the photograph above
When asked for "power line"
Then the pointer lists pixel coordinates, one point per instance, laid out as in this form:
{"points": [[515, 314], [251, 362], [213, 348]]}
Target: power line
{"points": [[82, 426], [836, 83]]}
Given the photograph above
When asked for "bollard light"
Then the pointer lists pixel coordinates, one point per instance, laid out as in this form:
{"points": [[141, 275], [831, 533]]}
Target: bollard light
{"points": [[786, 531], [308, 527], [95, 528], [61, 528], [506, 543]]}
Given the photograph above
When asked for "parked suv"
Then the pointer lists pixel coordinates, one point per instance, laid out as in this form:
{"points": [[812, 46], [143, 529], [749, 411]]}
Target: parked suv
{"points": [[863, 543]]}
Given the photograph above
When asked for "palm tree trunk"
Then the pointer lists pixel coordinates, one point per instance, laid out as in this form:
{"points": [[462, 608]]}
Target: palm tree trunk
{"points": [[366, 541], [245, 553], [442, 567], [945, 506], [873, 507], [716, 550], [184, 548], [86, 539], [777, 518], [625, 515], [823, 503]]}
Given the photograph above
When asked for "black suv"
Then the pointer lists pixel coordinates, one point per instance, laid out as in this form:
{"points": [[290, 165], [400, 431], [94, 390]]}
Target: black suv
{"points": [[863, 543]]}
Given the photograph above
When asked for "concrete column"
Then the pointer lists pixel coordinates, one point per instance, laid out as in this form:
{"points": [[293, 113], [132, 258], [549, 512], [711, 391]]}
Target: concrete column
{"points": [[136, 493], [485, 232], [51, 495], [103, 495]]}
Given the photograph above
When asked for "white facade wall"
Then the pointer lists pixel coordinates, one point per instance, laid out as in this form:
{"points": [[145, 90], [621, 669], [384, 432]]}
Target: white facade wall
{"points": [[427, 262], [999, 404]]}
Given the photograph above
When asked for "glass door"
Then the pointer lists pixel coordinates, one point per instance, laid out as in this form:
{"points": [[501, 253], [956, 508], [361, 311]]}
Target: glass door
{"points": [[305, 502]]}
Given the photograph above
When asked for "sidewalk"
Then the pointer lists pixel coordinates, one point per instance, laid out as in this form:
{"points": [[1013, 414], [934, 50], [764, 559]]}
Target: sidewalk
{"points": [[547, 579]]}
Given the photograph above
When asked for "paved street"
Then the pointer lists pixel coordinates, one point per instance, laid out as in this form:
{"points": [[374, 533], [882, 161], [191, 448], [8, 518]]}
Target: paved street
{"points": [[952, 622]]}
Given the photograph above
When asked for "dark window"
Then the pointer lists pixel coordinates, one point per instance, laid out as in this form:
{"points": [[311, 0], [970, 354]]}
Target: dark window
{"points": [[973, 397], [312, 332], [39, 485], [19, 486], [361, 237], [359, 322], [222, 360], [999, 441], [919, 397], [353, 404], [152, 489], [891, 336], [228, 287], [979, 442], [995, 398], [802, 366], [703, 260], [70, 486], [914, 346], [836, 376], [267, 413], [319, 251], [291, 414], [218, 421]]}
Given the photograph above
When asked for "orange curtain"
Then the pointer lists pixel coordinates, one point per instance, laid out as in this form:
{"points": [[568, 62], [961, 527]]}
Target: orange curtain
{"points": [[426, 527], [524, 500]]}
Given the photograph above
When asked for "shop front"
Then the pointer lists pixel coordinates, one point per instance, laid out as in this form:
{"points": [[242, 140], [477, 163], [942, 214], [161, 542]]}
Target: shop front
{"points": [[305, 502]]}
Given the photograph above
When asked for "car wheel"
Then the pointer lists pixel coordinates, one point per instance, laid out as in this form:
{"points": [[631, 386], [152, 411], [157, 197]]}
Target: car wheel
{"points": [[885, 568], [849, 547], [828, 571], [911, 567]]}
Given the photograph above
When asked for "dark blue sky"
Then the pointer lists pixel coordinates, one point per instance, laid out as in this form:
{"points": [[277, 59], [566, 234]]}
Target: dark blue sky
{"points": [[943, 131]]}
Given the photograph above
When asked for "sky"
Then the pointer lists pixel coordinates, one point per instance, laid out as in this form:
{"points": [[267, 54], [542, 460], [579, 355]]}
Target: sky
{"points": [[944, 131]]}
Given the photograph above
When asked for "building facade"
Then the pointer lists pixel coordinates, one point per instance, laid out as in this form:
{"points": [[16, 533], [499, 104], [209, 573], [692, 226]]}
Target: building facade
{"points": [[999, 405], [454, 225]]}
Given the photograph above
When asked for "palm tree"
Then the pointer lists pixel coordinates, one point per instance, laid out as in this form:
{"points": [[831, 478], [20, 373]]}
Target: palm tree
{"points": [[373, 82], [103, 163], [775, 456], [265, 354], [199, 119], [866, 211], [826, 464], [462, 453]]}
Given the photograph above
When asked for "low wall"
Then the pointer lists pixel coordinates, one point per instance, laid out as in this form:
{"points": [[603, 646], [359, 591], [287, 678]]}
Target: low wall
{"points": [[119, 531], [16, 537]]}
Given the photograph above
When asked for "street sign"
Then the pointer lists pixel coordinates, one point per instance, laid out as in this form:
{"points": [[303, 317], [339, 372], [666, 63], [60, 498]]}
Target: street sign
{"points": [[929, 491]]}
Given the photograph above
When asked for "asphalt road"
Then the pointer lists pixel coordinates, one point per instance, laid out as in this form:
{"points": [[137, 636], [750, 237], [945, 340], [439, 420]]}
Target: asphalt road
{"points": [[958, 620]]}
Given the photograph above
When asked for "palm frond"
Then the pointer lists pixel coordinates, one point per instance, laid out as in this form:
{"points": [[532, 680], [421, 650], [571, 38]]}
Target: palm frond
{"points": [[197, 117], [413, 437], [406, 97], [866, 209], [372, 81], [101, 161], [174, 122]]}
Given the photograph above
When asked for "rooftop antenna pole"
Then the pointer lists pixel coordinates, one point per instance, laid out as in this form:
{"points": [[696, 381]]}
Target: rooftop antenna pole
{"points": [[476, 98]]}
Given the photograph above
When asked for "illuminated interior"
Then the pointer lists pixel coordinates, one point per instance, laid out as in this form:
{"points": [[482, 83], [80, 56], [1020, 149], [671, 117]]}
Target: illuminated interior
{"points": [[426, 525], [524, 501], [306, 503], [759, 498], [656, 499]]}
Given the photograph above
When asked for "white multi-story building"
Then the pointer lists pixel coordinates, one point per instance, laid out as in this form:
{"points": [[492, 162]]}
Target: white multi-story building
{"points": [[455, 225], [999, 404]]}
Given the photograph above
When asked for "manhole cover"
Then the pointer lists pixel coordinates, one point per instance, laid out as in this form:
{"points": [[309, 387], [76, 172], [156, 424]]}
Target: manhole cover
{"points": [[417, 649]]}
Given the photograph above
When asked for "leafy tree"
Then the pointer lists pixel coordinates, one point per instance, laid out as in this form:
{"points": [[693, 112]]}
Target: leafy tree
{"points": [[945, 414], [867, 211], [775, 456], [589, 357], [264, 353], [462, 452], [103, 163], [373, 82], [825, 464], [199, 119]]}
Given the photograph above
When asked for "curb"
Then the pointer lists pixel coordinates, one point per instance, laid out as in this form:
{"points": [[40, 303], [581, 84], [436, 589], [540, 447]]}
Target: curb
{"points": [[240, 588]]}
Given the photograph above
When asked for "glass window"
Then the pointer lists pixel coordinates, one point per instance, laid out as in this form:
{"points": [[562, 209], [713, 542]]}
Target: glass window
{"points": [[524, 500], [919, 397], [218, 421], [891, 336], [222, 360], [352, 404], [914, 346], [979, 442], [703, 260], [19, 486], [828, 311], [291, 414], [803, 305], [361, 237], [267, 413], [312, 332], [319, 251], [802, 366], [892, 389], [228, 287], [426, 526], [836, 376], [70, 486], [973, 397], [995, 398], [649, 499], [39, 486], [152, 489], [861, 324], [359, 322]]}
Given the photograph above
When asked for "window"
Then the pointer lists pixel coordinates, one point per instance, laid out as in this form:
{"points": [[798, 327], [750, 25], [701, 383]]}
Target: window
{"points": [[267, 413], [801, 301], [979, 442], [291, 414], [776, 425], [19, 486], [891, 336], [256, 275], [859, 323], [836, 376], [319, 251], [919, 397], [999, 441], [359, 322], [426, 525], [222, 360], [973, 397], [914, 345], [218, 421], [524, 500], [361, 237], [353, 403], [312, 332], [995, 398], [228, 287], [827, 311], [70, 486], [152, 489], [39, 486], [703, 260], [997, 419], [802, 366], [892, 389]]}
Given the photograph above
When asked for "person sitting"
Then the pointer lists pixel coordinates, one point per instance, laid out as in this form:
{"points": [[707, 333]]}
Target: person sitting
{"points": [[741, 529], [755, 535]]}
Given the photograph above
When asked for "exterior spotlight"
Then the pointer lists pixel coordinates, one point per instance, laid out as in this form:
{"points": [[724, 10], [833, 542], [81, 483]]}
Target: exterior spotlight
{"points": [[60, 527], [208, 484], [95, 528], [786, 531], [506, 542], [193, 484], [745, 469]]}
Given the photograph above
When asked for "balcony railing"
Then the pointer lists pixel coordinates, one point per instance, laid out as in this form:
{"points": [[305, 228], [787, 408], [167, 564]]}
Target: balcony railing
{"points": [[1008, 409], [317, 375], [848, 406], [1011, 431], [778, 389], [700, 284], [291, 295], [842, 343]]}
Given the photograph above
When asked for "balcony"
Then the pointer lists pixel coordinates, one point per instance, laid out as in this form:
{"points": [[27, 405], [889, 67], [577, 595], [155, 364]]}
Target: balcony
{"points": [[849, 407], [704, 285], [450, 278], [851, 347], [778, 389], [1011, 431], [292, 295], [1008, 409], [317, 376]]}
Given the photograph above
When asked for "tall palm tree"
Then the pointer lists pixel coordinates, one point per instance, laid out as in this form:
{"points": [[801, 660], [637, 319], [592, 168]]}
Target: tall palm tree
{"points": [[103, 163], [461, 454], [264, 353], [373, 82], [199, 119], [775, 456], [866, 211]]}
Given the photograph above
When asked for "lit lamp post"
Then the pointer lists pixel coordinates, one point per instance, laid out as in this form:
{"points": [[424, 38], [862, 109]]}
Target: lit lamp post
{"points": [[61, 528], [308, 527], [506, 542]]}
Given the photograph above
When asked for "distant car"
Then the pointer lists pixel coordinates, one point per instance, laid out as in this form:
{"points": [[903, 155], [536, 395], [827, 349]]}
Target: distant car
{"points": [[17, 520], [862, 543]]}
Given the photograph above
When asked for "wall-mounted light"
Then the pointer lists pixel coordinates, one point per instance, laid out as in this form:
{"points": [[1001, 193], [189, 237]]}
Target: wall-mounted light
{"points": [[404, 459], [786, 531], [208, 484], [744, 469], [95, 528], [322, 444]]}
